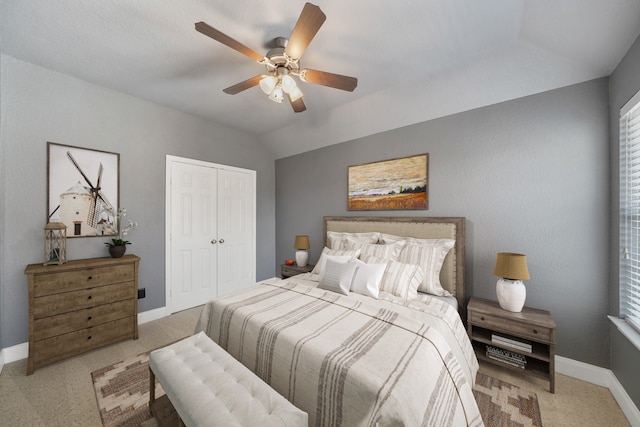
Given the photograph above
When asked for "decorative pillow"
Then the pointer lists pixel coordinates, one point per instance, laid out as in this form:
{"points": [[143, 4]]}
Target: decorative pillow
{"points": [[402, 280], [326, 251], [338, 276], [429, 254], [390, 251], [385, 239], [336, 239], [342, 259], [367, 279]]}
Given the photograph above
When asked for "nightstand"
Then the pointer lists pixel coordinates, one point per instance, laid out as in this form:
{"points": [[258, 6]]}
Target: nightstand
{"points": [[524, 341], [293, 270]]}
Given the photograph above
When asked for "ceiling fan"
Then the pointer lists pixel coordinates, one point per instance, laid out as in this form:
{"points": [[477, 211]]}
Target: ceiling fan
{"points": [[283, 61]]}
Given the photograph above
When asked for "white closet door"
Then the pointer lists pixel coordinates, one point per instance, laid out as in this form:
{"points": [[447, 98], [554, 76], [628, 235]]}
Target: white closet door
{"points": [[236, 231], [193, 243]]}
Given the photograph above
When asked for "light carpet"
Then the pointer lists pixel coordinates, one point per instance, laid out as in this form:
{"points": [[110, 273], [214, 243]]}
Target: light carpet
{"points": [[122, 391]]}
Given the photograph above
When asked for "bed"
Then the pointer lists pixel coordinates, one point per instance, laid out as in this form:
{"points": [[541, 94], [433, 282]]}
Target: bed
{"points": [[352, 359]]}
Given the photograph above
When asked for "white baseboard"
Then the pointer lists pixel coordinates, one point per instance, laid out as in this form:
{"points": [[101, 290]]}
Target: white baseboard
{"points": [[151, 315], [602, 377]]}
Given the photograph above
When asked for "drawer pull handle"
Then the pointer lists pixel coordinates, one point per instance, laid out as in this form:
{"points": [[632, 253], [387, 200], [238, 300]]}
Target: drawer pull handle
{"points": [[90, 277], [535, 331], [89, 297], [482, 318], [89, 318], [89, 337]]}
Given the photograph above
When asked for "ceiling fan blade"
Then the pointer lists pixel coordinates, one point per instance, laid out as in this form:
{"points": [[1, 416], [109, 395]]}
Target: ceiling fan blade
{"points": [[309, 22], [298, 104], [226, 40], [329, 79], [239, 87]]}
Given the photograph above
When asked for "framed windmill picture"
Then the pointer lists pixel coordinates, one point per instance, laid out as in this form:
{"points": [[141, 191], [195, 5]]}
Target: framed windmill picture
{"points": [[83, 189]]}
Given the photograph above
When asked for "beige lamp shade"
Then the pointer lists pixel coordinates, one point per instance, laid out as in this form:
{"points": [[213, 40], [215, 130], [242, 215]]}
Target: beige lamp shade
{"points": [[302, 242], [511, 266]]}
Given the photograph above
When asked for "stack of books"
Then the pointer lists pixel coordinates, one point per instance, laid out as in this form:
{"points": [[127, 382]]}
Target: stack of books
{"points": [[517, 344], [506, 356]]}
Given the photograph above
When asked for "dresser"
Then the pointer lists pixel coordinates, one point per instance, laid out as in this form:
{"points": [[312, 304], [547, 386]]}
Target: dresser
{"points": [[79, 306]]}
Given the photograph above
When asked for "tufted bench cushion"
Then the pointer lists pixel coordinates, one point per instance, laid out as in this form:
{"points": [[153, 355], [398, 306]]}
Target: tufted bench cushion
{"points": [[208, 387]]}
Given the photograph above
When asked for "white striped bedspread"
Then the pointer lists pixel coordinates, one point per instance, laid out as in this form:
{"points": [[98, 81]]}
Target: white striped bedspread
{"points": [[351, 360]]}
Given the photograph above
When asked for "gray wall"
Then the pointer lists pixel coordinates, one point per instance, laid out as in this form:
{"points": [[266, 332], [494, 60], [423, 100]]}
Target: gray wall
{"points": [[624, 83], [38, 105], [530, 176]]}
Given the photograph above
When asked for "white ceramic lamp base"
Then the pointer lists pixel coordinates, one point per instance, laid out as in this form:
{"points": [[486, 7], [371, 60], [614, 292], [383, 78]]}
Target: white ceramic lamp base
{"points": [[511, 294], [301, 258]]}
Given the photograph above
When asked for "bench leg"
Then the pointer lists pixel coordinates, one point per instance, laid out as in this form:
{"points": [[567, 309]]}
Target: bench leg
{"points": [[152, 387]]}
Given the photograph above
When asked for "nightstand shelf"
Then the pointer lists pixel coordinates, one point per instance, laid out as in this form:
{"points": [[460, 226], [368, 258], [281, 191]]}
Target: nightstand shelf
{"points": [[294, 270], [536, 327]]}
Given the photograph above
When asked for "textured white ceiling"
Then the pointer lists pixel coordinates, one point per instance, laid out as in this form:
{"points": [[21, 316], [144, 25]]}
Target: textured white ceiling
{"points": [[414, 59]]}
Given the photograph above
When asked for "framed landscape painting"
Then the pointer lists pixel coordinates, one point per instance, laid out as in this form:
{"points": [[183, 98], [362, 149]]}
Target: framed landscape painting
{"points": [[83, 187], [389, 184]]}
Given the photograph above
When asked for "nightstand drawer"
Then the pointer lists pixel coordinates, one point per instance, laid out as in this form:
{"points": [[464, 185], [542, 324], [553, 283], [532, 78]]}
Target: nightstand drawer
{"points": [[511, 326]]}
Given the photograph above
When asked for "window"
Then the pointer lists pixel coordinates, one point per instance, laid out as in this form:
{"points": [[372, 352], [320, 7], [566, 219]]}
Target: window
{"points": [[630, 212]]}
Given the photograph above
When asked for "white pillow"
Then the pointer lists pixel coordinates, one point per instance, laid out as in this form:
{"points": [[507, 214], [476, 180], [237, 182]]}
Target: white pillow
{"points": [[338, 276], [336, 239], [342, 259], [326, 252], [391, 251], [368, 278], [402, 280], [385, 239], [429, 254]]}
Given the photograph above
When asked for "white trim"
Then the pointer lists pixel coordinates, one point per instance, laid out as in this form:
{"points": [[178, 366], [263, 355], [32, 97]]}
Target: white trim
{"points": [[626, 330], [14, 353], [602, 377], [630, 104], [151, 315]]}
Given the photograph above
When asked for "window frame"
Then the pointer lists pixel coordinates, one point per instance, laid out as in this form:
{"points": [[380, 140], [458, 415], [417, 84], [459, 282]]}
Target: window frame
{"points": [[628, 321]]}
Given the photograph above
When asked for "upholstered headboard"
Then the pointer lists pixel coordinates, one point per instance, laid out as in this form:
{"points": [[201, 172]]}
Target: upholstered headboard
{"points": [[452, 273]]}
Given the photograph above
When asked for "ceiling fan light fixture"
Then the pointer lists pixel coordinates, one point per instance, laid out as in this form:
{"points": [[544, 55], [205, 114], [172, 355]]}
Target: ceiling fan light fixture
{"points": [[276, 95], [268, 84], [295, 94], [288, 84]]}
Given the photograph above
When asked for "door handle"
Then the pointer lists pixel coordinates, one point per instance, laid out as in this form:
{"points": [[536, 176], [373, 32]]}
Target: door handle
{"points": [[221, 240], [214, 241]]}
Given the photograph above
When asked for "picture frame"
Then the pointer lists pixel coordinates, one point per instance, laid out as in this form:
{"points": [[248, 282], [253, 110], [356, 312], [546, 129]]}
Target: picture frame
{"points": [[400, 183], [83, 188]]}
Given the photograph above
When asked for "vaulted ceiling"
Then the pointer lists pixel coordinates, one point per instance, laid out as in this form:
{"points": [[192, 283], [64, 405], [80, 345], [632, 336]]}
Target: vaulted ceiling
{"points": [[415, 59]]}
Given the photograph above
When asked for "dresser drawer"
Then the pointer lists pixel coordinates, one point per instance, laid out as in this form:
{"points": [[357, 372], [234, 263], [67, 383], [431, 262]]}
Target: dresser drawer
{"points": [[62, 346], [47, 327], [71, 301], [65, 281], [521, 329]]}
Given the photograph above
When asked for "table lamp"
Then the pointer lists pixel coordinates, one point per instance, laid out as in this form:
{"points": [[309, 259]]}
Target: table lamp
{"points": [[302, 246], [512, 270]]}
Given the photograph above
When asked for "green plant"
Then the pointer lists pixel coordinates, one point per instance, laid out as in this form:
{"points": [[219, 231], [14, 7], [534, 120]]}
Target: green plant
{"points": [[117, 242]]}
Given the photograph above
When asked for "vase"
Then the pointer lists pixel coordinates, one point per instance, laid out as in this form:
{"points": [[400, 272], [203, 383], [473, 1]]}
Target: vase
{"points": [[117, 251]]}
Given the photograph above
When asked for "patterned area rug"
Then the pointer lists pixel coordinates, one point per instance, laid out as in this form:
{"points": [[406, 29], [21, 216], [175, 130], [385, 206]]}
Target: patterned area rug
{"points": [[505, 405], [122, 391]]}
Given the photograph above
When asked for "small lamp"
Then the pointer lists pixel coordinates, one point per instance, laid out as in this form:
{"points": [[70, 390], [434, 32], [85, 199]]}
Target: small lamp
{"points": [[55, 243], [302, 246], [512, 270]]}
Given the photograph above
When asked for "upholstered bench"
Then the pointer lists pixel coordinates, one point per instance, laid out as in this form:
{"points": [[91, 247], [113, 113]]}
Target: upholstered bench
{"points": [[208, 387]]}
